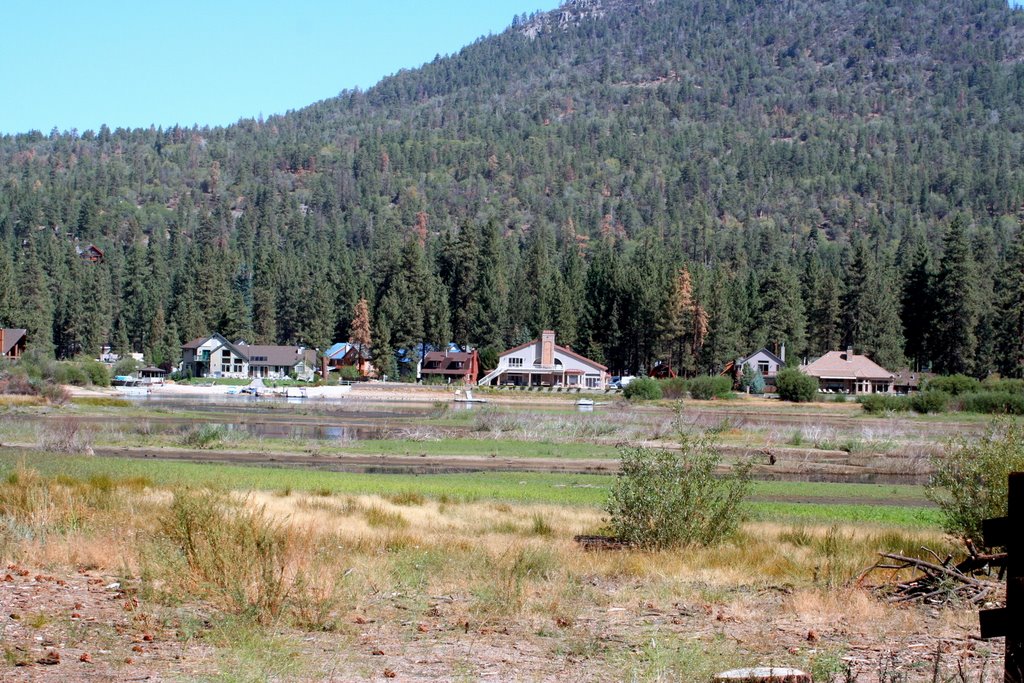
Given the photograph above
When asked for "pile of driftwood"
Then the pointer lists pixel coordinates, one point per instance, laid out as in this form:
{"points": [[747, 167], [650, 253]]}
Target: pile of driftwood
{"points": [[938, 582]]}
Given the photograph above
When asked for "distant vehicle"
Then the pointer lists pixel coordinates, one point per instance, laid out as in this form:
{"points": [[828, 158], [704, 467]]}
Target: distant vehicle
{"points": [[621, 382]]}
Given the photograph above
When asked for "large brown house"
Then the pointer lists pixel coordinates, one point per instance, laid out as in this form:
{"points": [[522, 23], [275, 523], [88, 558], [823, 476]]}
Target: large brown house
{"points": [[849, 373], [453, 366]]}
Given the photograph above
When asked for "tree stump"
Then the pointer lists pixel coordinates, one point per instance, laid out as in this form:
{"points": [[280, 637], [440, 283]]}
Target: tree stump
{"points": [[763, 674]]}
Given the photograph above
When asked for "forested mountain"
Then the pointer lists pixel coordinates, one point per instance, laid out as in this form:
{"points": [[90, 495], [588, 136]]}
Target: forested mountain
{"points": [[680, 180]]}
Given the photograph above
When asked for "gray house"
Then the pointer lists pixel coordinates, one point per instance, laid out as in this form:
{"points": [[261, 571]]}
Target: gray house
{"points": [[215, 356], [763, 361]]}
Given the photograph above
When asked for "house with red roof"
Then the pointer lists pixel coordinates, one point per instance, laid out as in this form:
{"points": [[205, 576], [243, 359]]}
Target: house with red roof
{"points": [[543, 363]]}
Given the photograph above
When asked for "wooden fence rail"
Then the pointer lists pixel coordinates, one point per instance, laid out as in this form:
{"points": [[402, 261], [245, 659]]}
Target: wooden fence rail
{"points": [[1008, 622]]}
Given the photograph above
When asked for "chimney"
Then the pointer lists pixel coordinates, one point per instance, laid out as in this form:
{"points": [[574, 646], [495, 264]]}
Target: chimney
{"points": [[849, 354], [547, 348], [782, 353], [1, 341]]}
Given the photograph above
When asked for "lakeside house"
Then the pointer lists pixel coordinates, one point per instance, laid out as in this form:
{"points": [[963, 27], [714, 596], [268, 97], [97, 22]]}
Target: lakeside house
{"points": [[845, 372], [216, 357], [542, 363], [451, 366], [347, 355], [762, 361], [12, 342]]}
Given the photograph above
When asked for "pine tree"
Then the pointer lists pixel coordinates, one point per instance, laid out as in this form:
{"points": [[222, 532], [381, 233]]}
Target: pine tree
{"points": [[36, 311], [359, 331], [954, 342], [916, 304], [10, 305], [781, 319], [1010, 307]]}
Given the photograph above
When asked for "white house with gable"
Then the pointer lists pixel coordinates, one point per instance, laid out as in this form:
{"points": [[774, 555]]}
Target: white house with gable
{"points": [[542, 363]]}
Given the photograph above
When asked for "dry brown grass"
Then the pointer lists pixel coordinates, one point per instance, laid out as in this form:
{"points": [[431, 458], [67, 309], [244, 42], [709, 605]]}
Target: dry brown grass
{"points": [[320, 562]]}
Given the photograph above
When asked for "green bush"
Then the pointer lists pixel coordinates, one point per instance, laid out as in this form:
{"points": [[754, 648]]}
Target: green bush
{"points": [[125, 367], [884, 403], [931, 401], [1012, 386], [970, 478], [643, 389], [673, 388], [795, 386], [206, 436], [994, 403], [70, 373], [96, 372], [349, 373], [663, 499], [954, 385], [709, 386]]}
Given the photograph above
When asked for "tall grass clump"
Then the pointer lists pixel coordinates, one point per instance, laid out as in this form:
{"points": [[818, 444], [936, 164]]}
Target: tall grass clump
{"points": [[206, 436], [237, 555], [663, 498]]}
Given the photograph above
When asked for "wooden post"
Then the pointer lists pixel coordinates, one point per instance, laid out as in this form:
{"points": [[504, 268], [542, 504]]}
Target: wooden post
{"points": [[1008, 622]]}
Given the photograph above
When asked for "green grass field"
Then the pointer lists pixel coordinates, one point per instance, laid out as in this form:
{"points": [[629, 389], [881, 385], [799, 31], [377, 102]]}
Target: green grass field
{"points": [[524, 488]]}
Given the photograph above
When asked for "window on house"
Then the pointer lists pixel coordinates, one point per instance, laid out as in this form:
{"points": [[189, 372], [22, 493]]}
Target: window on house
{"points": [[515, 362], [592, 381], [238, 368], [762, 367], [226, 355]]}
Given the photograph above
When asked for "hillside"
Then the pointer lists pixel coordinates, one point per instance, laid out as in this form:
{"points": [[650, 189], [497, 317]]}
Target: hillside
{"points": [[560, 174]]}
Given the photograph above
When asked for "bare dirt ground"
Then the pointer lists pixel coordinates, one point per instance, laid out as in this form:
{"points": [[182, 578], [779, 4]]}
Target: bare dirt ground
{"points": [[91, 626]]}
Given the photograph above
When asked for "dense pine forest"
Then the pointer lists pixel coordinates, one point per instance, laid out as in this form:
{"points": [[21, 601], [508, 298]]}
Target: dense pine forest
{"points": [[674, 180]]}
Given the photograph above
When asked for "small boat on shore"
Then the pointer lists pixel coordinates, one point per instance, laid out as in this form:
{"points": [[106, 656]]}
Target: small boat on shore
{"points": [[466, 396]]}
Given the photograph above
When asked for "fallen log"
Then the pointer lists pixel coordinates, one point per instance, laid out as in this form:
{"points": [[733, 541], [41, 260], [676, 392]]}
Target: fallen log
{"points": [[594, 542]]}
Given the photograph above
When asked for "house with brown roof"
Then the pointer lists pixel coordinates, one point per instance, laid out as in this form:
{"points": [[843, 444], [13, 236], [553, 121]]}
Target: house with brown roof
{"points": [[214, 356], [451, 366], [91, 253], [845, 372], [12, 342], [542, 362]]}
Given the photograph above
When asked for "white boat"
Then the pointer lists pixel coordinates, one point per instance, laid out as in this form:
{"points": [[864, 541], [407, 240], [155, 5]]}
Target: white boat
{"points": [[466, 396], [296, 392], [585, 402]]}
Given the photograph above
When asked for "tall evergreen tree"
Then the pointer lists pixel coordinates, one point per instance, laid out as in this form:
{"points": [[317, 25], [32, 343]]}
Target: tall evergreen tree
{"points": [[1010, 307], [916, 304], [954, 341]]}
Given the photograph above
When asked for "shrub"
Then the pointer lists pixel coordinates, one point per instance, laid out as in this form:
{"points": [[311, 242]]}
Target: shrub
{"points": [[709, 386], [970, 481], [206, 436], [70, 373], [931, 401], [125, 366], [795, 386], [643, 389], [1012, 386], [884, 403], [96, 372], [994, 403], [952, 384], [673, 388], [662, 498]]}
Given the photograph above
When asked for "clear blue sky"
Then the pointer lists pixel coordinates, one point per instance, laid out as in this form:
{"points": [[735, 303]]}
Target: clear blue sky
{"points": [[77, 64]]}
